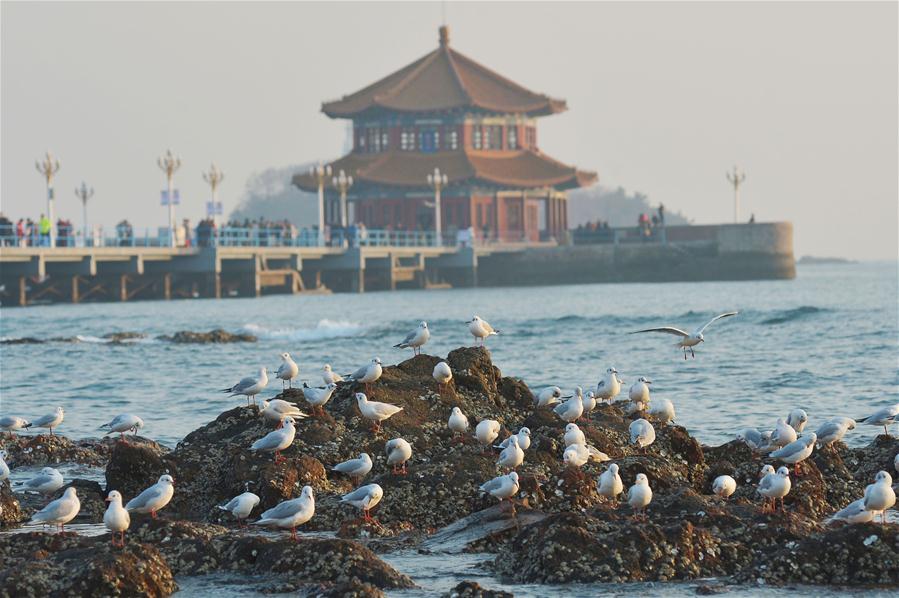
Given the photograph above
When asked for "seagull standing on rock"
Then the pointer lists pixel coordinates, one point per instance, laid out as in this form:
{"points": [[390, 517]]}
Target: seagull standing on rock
{"points": [[367, 374], [47, 482], [11, 423], [60, 511], [642, 433], [639, 496], [883, 417], [290, 513], [797, 419], [752, 438], [663, 410], [609, 484], [880, 495], [775, 485], [480, 329], [486, 432], [834, 430], [688, 339], [551, 395], [523, 437], [458, 423], [442, 374], [724, 486], [574, 435], [364, 498], [609, 387], [571, 410], [153, 498], [277, 409], [512, 456], [277, 440], [374, 411], [123, 423], [4, 468], [50, 421], [249, 386], [415, 339], [783, 435], [116, 518], [797, 451], [328, 375], [356, 468], [317, 397], [398, 452], [241, 506], [639, 393], [503, 487], [854, 512], [287, 371]]}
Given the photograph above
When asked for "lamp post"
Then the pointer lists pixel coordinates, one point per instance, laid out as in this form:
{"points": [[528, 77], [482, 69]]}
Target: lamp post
{"points": [[214, 177], [321, 173], [49, 167], [736, 179], [84, 193], [169, 163], [437, 180], [343, 182]]}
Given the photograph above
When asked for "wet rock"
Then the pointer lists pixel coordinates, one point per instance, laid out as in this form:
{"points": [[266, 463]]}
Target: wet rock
{"points": [[10, 509], [118, 338], [40, 564], [44, 449], [136, 464], [25, 340], [213, 336], [471, 589]]}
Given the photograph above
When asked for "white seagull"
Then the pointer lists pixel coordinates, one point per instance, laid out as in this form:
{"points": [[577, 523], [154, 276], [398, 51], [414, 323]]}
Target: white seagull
{"points": [[277, 409], [609, 484], [880, 495], [328, 375], [796, 419], [512, 456], [120, 424], [752, 438], [50, 421], [503, 487], [640, 495], [48, 481], [480, 329], [415, 339], [883, 417], [116, 518], [834, 430], [317, 397], [442, 374], [783, 435], [571, 410], [458, 422], [4, 468], [574, 435], [364, 498], [523, 437], [775, 485], [551, 395], [356, 468], [642, 433], [288, 370], [486, 432], [277, 440], [249, 386], [639, 393], [724, 486], [367, 374], [11, 423], [290, 513], [153, 498], [797, 451], [241, 506], [662, 410], [374, 411], [609, 387], [60, 511], [398, 452], [688, 339], [854, 512]]}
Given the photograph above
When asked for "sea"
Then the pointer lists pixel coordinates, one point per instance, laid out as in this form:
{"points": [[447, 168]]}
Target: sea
{"points": [[826, 342]]}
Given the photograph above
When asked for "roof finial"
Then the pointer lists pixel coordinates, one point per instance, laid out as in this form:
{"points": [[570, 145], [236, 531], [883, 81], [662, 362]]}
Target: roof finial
{"points": [[444, 35]]}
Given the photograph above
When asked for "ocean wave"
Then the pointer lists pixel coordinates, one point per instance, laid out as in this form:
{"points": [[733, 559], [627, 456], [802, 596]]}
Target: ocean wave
{"points": [[794, 314], [325, 329]]}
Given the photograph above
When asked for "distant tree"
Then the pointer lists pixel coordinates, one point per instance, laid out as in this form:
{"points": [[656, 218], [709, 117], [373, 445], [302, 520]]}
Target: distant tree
{"points": [[616, 206], [271, 195]]}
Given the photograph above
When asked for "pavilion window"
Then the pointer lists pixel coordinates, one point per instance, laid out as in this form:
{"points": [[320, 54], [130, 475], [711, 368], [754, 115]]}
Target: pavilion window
{"points": [[493, 137], [429, 140], [407, 139], [487, 131], [476, 138], [512, 137], [452, 139], [384, 140]]}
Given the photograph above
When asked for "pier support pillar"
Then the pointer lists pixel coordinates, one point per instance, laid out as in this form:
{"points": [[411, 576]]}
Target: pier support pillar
{"points": [[167, 286], [23, 292], [75, 295], [357, 281], [123, 287], [213, 286]]}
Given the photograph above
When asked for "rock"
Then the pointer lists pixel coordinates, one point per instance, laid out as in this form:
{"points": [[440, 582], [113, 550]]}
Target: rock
{"points": [[10, 509], [25, 340], [471, 589], [118, 338], [44, 449], [135, 465], [40, 564], [213, 336]]}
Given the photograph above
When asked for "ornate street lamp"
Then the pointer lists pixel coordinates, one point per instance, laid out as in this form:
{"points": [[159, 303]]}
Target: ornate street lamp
{"points": [[214, 177], [84, 193], [343, 182], [437, 180], [169, 163], [321, 173], [736, 179], [49, 167]]}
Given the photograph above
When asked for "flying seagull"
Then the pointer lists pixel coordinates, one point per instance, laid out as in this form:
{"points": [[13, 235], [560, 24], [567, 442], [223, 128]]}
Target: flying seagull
{"points": [[688, 340]]}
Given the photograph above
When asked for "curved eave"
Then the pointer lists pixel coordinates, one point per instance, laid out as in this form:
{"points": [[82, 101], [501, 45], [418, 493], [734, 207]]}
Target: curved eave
{"points": [[550, 107]]}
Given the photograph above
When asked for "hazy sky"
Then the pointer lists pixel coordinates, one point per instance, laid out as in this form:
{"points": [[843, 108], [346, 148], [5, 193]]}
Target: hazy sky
{"points": [[663, 99]]}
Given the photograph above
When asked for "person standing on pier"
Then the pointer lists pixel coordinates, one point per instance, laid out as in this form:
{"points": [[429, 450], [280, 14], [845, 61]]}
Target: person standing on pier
{"points": [[44, 226]]}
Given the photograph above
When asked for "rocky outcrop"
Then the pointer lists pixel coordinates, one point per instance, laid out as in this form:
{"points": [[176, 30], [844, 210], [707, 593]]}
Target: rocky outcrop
{"points": [[471, 589], [213, 336], [44, 449], [10, 509]]}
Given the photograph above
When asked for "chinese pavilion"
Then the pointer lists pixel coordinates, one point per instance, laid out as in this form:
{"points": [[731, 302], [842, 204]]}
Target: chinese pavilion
{"points": [[447, 111]]}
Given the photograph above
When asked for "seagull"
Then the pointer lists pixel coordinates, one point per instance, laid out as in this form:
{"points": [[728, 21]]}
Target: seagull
{"points": [[854, 512], [896, 463], [609, 484], [241, 506], [47, 482], [550, 395], [775, 485], [458, 422], [415, 339], [503, 487], [752, 438], [640, 495], [50, 421], [317, 397], [4, 468], [287, 371], [116, 518], [486, 431], [60, 511], [834, 430], [290, 513], [642, 433], [724, 486], [329, 376], [356, 468], [367, 374], [480, 329], [442, 374], [609, 387], [523, 437], [574, 435], [688, 340], [570, 410], [277, 409], [11, 423], [663, 410], [277, 440], [512, 456], [783, 435], [883, 417], [797, 451], [365, 498], [398, 452], [249, 386], [578, 455], [639, 393], [123, 423], [154, 498], [797, 419], [589, 400], [375, 411], [880, 496]]}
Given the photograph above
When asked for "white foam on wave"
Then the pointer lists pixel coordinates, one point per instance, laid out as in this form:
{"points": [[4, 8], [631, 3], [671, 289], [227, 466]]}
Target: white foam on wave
{"points": [[324, 330], [86, 338]]}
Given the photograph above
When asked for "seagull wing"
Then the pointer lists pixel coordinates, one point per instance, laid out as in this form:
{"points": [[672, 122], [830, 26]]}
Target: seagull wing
{"points": [[357, 494], [39, 480], [716, 318], [141, 500], [284, 510], [243, 385], [492, 485], [269, 441], [665, 329], [360, 373]]}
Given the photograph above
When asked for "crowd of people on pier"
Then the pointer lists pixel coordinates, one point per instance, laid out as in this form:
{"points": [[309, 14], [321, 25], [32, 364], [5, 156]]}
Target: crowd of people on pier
{"points": [[26, 232]]}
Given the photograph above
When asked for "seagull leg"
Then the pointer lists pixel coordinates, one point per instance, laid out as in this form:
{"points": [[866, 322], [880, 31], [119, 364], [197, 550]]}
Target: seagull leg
{"points": [[693, 353], [293, 534], [153, 514], [404, 468], [685, 354]]}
